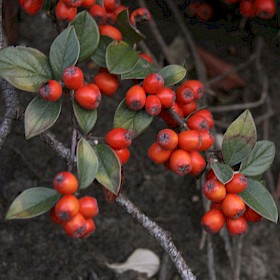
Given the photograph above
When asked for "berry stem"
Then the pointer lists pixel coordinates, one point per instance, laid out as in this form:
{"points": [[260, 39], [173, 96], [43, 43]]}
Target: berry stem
{"points": [[178, 119]]}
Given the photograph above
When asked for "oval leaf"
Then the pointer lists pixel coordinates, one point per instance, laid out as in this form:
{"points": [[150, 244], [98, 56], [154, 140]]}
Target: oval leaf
{"points": [[87, 163], [257, 197], [86, 118], [32, 202], [135, 121], [40, 115], [239, 139], [222, 171], [259, 160], [99, 55], [64, 51], [142, 69], [87, 32], [173, 74], [24, 68], [130, 34], [109, 168], [120, 57]]}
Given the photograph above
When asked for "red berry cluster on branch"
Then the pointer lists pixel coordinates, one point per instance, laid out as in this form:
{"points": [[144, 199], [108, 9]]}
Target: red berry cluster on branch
{"points": [[227, 207], [75, 215]]}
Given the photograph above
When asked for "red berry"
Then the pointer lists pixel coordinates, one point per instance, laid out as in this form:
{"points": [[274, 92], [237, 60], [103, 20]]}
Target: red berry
{"points": [[204, 11], [146, 57], [206, 140], [73, 3], [167, 139], [123, 155], [265, 9], [140, 15], [157, 154], [196, 86], [247, 8], [119, 10], [111, 5], [167, 97], [237, 226], [153, 83], [65, 183], [118, 138], [189, 108], [233, 206], [98, 13], [251, 215], [217, 205], [51, 90], [210, 175], [64, 12], [88, 3], [198, 163], [180, 162], [54, 218], [67, 207], [198, 122], [135, 98], [90, 228], [75, 227], [213, 221], [237, 184], [73, 77], [189, 140], [207, 115], [110, 31], [153, 105], [31, 6], [88, 96], [107, 83], [184, 95], [214, 190], [88, 207]]}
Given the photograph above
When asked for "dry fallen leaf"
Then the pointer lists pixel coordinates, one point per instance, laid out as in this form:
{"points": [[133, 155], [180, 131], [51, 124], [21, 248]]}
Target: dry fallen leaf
{"points": [[141, 260]]}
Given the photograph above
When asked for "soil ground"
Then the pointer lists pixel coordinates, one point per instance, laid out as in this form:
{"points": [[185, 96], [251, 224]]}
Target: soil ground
{"points": [[38, 249]]}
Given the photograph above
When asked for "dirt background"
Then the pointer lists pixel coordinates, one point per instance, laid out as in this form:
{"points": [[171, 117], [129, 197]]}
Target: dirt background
{"points": [[38, 249]]}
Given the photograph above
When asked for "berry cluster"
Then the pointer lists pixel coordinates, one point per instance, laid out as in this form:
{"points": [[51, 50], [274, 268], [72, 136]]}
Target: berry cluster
{"points": [[264, 9], [227, 207], [75, 215]]}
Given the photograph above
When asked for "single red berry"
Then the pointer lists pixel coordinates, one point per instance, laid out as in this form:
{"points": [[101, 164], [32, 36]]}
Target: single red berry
{"points": [[65, 183], [119, 10], [67, 207], [153, 105], [51, 90], [265, 9], [167, 139], [167, 97], [123, 155], [73, 77], [64, 12], [184, 95], [75, 227], [198, 122], [88, 3], [88, 207], [206, 140], [98, 13], [180, 162], [204, 11], [251, 215], [189, 108], [196, 86], [237, 226], [198, 163], [157, 154], [135, 98], [207, 115], [189, 140], [90, 228], [88, 96], [111, 5], [118, 138], [237, 184], [213, 221], [31, 6], [73, 3], [54, 218], [233, 206], [140, 15], [107, 83], [153, 83], [214, 190], [146, 57], [247, 8], [110, 31]]}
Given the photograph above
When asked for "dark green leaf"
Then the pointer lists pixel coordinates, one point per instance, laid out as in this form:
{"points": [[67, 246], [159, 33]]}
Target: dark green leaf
{"points": [[239, 139], [109, 169], [100, 2], [222, 171], [259, 160], [24, 68], [173, 74], [142, 69], [46, 4], [99, 55], [135, 121], [64, 52], [87, 32], [85, 118], [120, 57], [87, 163], [130, 34], [40, 115], [32, 202], [257, 197]]}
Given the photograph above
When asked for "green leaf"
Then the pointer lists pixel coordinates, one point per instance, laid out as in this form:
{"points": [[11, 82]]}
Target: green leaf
{"points": [[87, 164], [100, 2], [142, 69], [173, 74], [40, 115], [99, 55], [87, 32], [130, 34], [257, 197], [259, 160], [64, 52], [32, 202], [222, 171], [24, 68], [239, 139], [135, 121], [46, 5], [120, 57], [109, 169], [86, 118]]}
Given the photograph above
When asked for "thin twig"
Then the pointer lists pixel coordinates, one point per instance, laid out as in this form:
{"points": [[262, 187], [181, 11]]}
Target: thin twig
{"points": [[210, 258], [237, 265], [177, 118], [159, 234], [225, 236]]}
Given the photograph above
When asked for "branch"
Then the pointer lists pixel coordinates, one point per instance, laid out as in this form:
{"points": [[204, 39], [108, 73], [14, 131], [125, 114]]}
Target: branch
{"points": [[160, 235]]}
